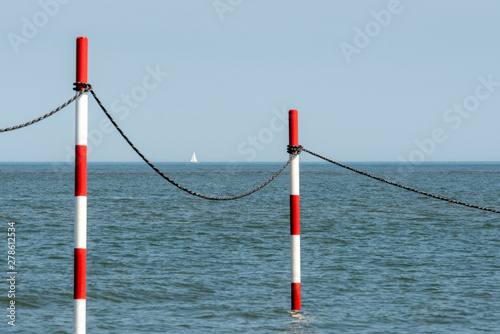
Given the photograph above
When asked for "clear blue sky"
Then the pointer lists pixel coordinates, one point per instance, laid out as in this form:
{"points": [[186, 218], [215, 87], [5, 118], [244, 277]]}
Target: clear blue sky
{"points": [[372, 80]]}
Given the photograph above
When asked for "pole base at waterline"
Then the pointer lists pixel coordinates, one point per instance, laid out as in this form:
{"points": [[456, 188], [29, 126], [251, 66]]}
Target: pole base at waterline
{"points": [[295, 296]]}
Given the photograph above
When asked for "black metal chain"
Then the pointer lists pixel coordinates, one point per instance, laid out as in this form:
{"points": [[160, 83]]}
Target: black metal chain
{"points": [[177, 184], [293, 150], [402, 186], [80, 92]]}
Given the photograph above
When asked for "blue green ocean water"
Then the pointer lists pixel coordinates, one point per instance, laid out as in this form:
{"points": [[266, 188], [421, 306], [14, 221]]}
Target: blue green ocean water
{"points": [[375, 258]]}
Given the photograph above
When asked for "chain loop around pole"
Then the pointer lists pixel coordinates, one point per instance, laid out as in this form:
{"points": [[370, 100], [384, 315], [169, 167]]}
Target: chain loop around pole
{"points": [[294, 149]]}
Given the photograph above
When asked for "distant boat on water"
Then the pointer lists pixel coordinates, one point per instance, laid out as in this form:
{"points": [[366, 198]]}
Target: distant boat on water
{"points": [[193, 158]]}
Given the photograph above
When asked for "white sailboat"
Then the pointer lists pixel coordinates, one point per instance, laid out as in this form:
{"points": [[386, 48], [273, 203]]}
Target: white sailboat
{"points": [[193, 158]]}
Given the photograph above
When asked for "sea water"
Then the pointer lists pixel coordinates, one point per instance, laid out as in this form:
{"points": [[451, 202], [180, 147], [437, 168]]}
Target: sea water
{"points": [[375, 258]]}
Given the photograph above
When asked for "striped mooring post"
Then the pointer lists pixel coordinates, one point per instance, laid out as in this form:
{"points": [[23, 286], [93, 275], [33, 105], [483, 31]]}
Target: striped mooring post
{"points": [[294, 209], [81, 187]]}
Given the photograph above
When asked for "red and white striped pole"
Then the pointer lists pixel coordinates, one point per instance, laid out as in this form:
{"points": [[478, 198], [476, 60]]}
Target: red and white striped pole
{"points": [[81, 187], [293, 123]]}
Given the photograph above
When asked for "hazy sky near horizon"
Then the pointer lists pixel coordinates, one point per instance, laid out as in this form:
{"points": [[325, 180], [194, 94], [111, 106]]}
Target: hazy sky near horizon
{"points": [[379, 80]]}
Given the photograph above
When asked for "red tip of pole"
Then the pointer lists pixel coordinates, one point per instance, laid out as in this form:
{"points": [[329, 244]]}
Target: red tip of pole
{"points": [[293, 121], [82, 47]]}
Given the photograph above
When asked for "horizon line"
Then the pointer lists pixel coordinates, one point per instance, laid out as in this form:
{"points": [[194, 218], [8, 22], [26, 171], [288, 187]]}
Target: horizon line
{"points": [[201, 162]]}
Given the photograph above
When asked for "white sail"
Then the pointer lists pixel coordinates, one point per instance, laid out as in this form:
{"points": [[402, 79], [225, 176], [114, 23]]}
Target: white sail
{"points": [[193, 158]]}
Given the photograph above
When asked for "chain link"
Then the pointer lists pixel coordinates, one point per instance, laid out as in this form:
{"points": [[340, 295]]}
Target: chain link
{"points": [[80, 92], [402, 186], [177, 184], [292, 150]]}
